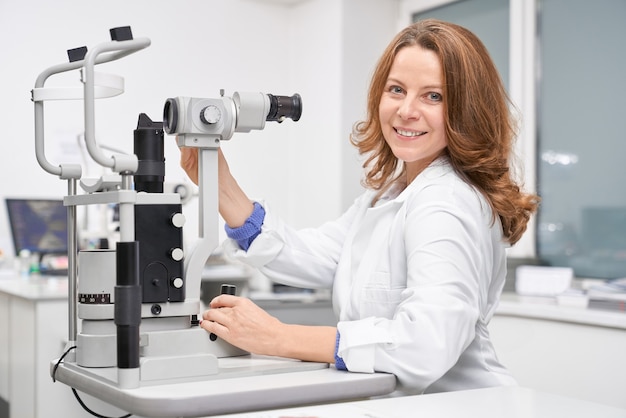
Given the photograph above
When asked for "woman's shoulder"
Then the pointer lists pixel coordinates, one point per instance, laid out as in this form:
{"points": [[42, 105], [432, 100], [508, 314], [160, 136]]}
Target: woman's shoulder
{"points": [[439, 175], [440, 182]]}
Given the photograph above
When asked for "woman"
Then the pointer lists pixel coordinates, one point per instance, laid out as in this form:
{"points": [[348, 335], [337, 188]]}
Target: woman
{"points": [[417, 264]]}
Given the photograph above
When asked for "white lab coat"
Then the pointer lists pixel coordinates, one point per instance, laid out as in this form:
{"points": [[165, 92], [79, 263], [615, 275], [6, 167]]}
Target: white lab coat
{"points": [[415, 280]]}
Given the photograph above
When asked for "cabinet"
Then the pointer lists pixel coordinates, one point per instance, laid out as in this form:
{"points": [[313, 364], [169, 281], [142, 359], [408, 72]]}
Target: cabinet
{"points": [[33, 332], [575, 352]]}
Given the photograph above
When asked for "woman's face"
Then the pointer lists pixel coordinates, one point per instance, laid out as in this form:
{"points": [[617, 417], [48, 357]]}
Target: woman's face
{"points": [[411, 109]]}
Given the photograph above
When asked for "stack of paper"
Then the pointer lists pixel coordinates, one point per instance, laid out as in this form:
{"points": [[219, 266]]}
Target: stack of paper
{"points": [[608, 295]]}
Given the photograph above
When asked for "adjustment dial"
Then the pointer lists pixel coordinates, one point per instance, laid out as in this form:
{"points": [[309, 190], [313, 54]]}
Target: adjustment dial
{"points": [[210, 115]]}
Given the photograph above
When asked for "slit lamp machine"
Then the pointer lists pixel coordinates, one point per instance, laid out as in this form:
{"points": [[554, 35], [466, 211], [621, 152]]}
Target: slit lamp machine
{"points": [[138, 304]]}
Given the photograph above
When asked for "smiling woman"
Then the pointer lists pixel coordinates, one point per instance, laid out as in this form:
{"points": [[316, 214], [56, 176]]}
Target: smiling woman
{"points": [[479, 130], [418, 262]]}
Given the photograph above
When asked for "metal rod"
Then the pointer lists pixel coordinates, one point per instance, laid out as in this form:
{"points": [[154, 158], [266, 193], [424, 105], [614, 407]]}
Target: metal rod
{"points": [[72, 250]]}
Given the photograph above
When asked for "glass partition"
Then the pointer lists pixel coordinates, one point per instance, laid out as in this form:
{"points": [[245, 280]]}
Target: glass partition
{"points": [[582, 136]]}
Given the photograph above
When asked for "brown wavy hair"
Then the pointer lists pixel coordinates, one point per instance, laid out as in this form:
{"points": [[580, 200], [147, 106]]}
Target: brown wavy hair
{"points": [[480, 127]]}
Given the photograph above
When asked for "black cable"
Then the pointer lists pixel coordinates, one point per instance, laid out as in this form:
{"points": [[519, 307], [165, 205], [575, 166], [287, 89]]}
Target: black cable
{"points": [[80, 401], [56, 366], [86, 408]]}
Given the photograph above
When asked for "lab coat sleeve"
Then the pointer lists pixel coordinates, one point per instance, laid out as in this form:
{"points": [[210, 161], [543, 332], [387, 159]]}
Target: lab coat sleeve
{"points": [[445, 239], [303, 258]]}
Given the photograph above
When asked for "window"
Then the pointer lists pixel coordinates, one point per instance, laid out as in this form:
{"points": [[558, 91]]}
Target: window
{"points": [[582, 136]]}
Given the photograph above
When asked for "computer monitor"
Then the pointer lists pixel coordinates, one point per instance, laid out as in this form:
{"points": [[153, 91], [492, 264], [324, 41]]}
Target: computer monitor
{"points": [[38, 225]]}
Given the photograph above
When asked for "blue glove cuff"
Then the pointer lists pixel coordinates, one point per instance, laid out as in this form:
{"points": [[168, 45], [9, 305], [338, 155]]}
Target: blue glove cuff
{"points": [[339, 364], [251, 228]]}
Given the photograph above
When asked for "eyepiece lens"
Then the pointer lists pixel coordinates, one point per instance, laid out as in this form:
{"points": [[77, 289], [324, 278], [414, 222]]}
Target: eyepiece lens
{"points": [[283, 107], [170, 116]]}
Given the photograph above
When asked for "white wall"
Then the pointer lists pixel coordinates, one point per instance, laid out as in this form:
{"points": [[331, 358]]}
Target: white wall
{"points": [[322, 49], [367, 27]]}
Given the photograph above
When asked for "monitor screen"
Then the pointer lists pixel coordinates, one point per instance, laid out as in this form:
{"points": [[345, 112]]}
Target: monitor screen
{"points": [[38, 225]]}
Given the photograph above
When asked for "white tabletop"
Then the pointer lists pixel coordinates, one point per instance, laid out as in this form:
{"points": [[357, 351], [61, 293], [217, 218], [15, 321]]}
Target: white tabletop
{"points": [[266, 387], [548, 308], [35, 287], [498, 402]]}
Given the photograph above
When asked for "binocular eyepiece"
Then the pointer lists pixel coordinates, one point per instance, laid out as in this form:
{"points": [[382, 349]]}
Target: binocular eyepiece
{"points": [[221, 117]]}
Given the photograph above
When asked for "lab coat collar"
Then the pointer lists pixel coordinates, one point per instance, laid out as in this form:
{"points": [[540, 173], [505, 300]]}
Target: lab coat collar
{"points": [[438, 168]]}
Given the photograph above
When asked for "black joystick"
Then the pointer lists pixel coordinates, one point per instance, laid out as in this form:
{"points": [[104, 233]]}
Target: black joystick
{"points": [[227, 289]]}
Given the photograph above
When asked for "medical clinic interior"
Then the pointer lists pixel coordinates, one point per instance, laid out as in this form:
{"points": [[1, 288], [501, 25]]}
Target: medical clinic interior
{"points": [[127, 291]]}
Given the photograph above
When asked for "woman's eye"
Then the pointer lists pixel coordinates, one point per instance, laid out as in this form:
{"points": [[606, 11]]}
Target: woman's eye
{"points": [[435, 97], [396, 89]]}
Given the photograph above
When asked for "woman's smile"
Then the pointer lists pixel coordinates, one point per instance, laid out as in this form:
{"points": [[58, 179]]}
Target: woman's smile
{"points": [[409, 133]]}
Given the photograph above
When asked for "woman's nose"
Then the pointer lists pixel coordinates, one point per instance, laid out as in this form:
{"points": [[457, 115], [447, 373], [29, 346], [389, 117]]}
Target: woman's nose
{"points": [[409, 109]]}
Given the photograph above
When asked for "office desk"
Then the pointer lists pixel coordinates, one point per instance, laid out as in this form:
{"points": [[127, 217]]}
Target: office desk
{"points": [[499, 402]]}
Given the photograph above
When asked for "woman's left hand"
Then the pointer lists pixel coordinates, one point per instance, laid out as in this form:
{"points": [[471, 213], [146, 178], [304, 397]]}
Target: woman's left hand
{"points": [[243, 324]]}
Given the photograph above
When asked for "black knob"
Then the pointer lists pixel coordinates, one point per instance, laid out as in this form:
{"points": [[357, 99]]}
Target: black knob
{"points": [[226, 289]]}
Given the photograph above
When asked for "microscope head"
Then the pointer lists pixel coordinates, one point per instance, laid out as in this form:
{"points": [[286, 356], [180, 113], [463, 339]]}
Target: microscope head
{"points": [[200, 122]]}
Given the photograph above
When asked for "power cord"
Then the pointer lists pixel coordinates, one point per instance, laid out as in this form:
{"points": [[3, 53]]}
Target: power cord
{"points": [[75, 392]]}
